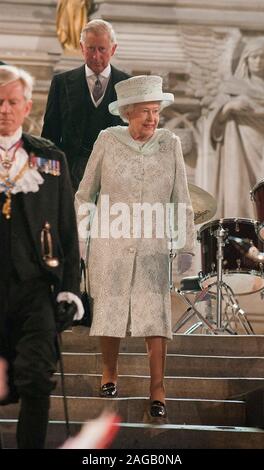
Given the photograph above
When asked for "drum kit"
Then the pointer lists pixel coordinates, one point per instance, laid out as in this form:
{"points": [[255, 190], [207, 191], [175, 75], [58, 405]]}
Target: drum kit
{"points": [[232, 259]]}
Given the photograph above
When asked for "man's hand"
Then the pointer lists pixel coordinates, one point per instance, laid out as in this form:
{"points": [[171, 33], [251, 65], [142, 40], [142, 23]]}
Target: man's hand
{"points": [[64, 315]]}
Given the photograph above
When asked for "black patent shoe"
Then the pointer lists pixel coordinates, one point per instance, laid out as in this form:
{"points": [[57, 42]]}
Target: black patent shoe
{"points": [[108, 390], [158, 409], [156, 414]]}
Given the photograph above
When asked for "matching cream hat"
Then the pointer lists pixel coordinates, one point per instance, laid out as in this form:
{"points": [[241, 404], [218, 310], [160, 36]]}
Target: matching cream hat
{"points": [[140, 89]]}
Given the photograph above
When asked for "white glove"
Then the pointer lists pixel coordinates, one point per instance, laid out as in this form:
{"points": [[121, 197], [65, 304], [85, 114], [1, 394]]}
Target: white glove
{"points": [[183, 262]]}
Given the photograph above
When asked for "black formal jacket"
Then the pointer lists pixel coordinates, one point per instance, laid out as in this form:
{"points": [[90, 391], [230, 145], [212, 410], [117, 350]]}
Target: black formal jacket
{"points": [[52, 203], [71, 120]]}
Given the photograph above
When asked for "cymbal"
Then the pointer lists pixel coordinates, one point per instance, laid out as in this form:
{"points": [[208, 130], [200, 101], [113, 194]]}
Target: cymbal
{"points": [[204, 204]]}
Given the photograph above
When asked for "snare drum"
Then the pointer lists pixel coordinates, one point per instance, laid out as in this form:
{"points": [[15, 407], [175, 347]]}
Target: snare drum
{"points": [[257, 195], [242, 274]]}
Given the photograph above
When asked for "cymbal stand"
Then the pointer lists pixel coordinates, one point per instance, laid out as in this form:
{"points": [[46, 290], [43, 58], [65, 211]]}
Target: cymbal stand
{"points": [[171, 258], [220, 236]]}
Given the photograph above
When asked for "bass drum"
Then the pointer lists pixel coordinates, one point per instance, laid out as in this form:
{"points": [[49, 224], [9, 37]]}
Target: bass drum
{"points": [[243, 275], [257, 195]]}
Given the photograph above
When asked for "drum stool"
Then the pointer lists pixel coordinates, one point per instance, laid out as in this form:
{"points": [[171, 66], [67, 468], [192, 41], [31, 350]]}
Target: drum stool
{"points": [[191, 285]]}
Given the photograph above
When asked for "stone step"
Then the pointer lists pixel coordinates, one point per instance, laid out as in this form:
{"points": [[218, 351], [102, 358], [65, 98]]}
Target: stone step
{"points": [[180, 365], [78, 340], [142, 436], [176, 387], [131, 410], [188, 437]]}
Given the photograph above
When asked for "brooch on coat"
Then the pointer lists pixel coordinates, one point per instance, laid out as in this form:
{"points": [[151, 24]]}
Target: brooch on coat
{"points": [[44, 165], [162, 146]]}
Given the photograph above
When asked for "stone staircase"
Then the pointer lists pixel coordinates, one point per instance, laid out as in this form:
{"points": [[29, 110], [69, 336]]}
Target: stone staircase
{"points": [[205, 377]]}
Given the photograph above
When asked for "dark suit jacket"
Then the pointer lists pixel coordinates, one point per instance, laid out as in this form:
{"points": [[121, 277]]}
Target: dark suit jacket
{"points": [[53, 203], [66, 118]]}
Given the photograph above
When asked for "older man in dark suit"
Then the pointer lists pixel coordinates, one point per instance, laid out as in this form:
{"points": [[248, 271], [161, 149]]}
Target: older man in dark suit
{"points": [[77, 107], [39, 275]]}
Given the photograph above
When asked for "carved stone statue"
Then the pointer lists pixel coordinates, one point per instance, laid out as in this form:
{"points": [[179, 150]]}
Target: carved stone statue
{"points": [[231, 159], [71, 18], [237, 133]]}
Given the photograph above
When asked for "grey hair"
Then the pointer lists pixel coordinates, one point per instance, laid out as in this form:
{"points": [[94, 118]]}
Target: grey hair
{"points": [[98, 27], [10, 73], [123, 110]]}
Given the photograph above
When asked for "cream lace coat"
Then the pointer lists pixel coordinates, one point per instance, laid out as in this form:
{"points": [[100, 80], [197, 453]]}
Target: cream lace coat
{"points": [[128, 276]]}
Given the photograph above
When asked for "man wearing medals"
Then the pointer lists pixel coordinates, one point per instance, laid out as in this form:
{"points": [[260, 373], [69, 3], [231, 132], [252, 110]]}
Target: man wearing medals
{"points": [[39, 275]]}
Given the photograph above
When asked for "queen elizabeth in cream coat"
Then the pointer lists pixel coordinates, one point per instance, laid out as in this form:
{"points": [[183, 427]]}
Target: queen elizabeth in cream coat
{"points": [[131, 169]]}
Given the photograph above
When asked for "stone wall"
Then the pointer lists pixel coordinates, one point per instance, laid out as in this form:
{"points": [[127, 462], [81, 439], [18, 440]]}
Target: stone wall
{"points": [[28, 39], [155, 36], [188, 42]]}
